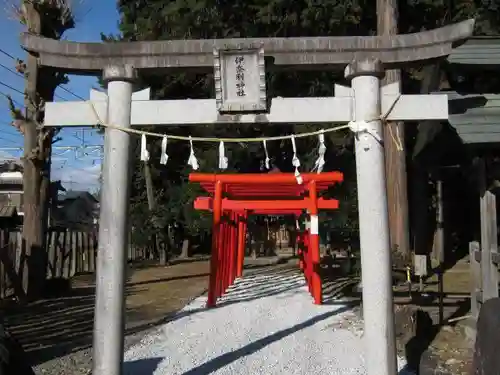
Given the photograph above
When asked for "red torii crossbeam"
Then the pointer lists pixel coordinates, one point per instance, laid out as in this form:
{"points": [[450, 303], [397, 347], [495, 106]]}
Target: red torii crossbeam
{"points": [[235, 196]]}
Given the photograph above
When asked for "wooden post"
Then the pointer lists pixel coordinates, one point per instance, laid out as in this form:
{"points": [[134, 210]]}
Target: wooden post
{"points": [[489, 242], [67, 254], [72, 243], [92, 252], [475, 278], [394, 135], [440, 245], [59, 253], [85, 252], [51, 249], [79, 252]]}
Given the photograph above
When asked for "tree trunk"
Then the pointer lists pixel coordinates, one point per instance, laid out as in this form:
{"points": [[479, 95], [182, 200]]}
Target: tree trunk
{"points": [[152, 206], [40, 88], [32, 257], [394, 135]]}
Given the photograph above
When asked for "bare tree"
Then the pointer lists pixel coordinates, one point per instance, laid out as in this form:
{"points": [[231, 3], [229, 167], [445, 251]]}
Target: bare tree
{"points": [[48, 18]]}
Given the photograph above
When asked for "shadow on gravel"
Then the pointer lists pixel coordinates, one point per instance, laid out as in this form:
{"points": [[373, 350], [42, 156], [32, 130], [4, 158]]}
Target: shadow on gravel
{"points": [[230, 357], [271, 284], [58, 326], [141, 366], [62, 325]]}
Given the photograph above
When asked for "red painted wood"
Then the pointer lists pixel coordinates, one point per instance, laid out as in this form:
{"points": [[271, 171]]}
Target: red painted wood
{"points": [[265, 178], [276, 206], [262, 194], [214, 259], [242, 229]]}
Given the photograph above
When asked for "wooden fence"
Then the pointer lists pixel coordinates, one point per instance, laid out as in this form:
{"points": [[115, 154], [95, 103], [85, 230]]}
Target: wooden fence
{"points": [[68, 253], [484, 257]]}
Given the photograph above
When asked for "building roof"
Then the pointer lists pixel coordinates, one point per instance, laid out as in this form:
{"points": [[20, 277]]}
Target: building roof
{"points": [[75, 194], [8, 211], [477, 51], [475, 117]]}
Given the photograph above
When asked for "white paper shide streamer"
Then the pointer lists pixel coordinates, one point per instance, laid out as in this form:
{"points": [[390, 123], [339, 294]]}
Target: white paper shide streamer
{"points": [[192, 161], [296, 161], [320, 161], [164, 155], [223, 161], [267, 161], [144, 149]]}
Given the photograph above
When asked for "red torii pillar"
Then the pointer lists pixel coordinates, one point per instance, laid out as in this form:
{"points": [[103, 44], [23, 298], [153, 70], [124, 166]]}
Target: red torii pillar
{"points": [[242, 233], [314, 244], [213, 288]]}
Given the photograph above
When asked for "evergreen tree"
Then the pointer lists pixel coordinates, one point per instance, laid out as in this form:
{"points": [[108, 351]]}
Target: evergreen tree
{"points": [[203, 19]]}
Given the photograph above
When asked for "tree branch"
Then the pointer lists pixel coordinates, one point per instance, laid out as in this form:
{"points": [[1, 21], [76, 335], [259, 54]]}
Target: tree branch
{"points": [[18, 119]]}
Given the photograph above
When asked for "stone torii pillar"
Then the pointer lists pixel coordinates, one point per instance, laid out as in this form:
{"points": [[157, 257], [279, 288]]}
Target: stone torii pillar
{"points": [[113, 235], [373, 218]]}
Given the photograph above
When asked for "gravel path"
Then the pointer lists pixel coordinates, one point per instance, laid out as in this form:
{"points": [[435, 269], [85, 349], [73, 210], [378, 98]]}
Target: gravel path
{"points": [[266, 324], [79, 362]]}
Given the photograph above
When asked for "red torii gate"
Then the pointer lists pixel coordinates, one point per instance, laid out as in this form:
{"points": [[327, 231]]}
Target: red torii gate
{"points": [[240, 195]]}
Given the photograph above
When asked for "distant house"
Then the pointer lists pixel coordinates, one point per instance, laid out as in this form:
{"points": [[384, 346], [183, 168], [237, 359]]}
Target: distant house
{"points": [[12, 192], [11, 189], [76, 210]]}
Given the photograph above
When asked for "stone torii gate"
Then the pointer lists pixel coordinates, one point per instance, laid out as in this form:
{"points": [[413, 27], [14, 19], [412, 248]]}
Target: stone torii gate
{"points": [[243, 100]]}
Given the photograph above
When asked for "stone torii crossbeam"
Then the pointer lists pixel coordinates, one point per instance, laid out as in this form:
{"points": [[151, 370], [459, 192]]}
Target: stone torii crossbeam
{"points": [[282, 110], [366, 59]]}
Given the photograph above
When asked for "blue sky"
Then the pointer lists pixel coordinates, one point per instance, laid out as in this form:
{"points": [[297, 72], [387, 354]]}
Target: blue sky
{"points": [[77, 168]]}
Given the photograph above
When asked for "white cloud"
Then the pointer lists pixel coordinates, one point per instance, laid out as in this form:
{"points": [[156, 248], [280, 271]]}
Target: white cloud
{"points": [[74, 178]]}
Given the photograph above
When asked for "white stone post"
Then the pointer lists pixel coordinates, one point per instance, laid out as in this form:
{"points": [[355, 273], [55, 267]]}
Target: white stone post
{"points": [[378, 312], [113, 226]]}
